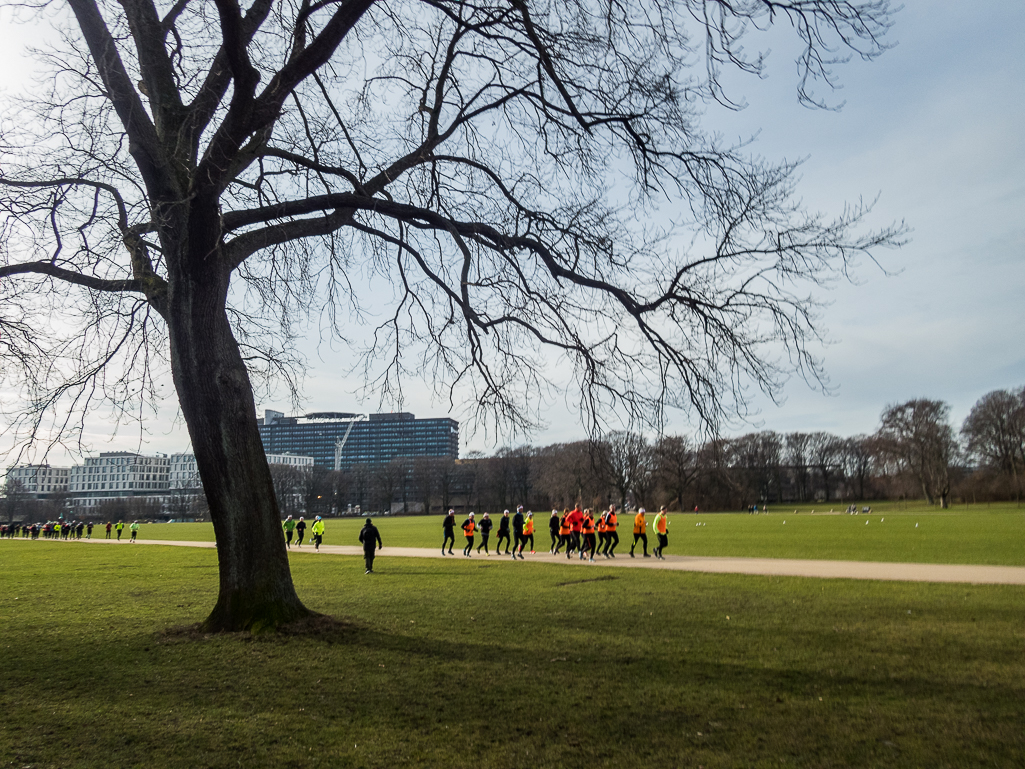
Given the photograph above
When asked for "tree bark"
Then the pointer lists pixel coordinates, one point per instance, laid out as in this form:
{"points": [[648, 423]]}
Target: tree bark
{"points": [[256, 590]]}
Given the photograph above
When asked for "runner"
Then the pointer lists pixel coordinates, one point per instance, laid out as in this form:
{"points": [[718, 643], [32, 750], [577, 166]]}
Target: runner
{"points": [[485, 533], [449, 527], [289, 528], [528, 532], [300, 531], [503, 533], [518, 539], [468, 528], [661, 527], [553, 530], [318, 533], [587, 530], [135, 530], [640, 533], [612, 538]]}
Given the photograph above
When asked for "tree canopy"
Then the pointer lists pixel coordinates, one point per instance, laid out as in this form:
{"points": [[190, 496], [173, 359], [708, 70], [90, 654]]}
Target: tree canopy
{"points": [[200, 182]]}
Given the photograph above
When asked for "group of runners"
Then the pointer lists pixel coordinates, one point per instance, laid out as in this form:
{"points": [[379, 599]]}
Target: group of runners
{"points": [[65, 530], [579, 531], [298, 528]]}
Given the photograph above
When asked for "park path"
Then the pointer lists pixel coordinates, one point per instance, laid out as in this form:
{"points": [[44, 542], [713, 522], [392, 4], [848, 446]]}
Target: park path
{"points": [[779, 567]]}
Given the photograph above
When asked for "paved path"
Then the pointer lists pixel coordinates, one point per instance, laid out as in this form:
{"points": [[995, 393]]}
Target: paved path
{"points": [[901, 572]]}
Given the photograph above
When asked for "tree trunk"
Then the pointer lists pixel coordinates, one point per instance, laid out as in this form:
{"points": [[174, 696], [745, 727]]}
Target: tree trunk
{"points": [[256, 590]]}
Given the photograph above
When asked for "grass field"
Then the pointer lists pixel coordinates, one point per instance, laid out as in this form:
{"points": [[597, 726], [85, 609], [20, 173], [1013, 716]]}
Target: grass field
{"points": [[480, 663], [983, 535]]}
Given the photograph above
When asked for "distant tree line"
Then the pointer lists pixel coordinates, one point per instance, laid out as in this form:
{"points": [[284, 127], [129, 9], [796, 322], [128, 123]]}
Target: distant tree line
{"points": [[914, 454]]}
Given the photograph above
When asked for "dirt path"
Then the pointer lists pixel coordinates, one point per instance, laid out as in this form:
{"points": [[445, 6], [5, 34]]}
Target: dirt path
{"points": [[901, 572]]}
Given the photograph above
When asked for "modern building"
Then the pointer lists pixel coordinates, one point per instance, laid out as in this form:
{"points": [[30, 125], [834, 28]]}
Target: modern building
{"points": [[184, 474], [340, 440], [117, 475], [38, 481]]}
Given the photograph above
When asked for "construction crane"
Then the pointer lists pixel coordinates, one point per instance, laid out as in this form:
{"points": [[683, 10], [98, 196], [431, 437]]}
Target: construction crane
{"points": [[339, 445]]}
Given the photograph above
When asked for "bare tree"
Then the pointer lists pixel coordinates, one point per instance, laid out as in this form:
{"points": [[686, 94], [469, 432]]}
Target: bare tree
{"points": [[918, 436], [676, 466], [201, 179], [994, 432]]}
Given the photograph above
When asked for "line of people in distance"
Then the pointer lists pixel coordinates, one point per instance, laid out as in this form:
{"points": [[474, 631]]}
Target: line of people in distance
{"points": [[63, 530], [577, 530]]}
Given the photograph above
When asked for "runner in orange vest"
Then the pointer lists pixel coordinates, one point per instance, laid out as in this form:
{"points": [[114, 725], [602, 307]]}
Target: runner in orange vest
{"points": [[603, 533], [661, 526], [611, 537], [587, 530], [640, 533], [468, 528], [565, 532], [528, 531]]}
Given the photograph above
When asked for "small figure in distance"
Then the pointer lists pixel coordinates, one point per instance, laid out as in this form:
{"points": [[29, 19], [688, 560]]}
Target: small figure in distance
{"points": [[485, 527], [300, 531], [553, 531], [109, 527], [503, 533], [640, 533], [449, 525], [135, 530], [661, 526], [119, 527], [318, 533], [370, 538], [528, 532], [289, 527], [612, 538], [518, 539], [469, 526]]}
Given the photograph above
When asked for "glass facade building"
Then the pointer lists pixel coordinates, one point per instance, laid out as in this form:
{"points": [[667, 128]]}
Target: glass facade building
{"points": [[358, 439]]}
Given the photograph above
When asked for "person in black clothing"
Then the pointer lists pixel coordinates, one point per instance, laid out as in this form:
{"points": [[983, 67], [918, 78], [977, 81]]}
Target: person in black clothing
{"points": [[553, 530], [300, 530], [449, 525], [518, 539], [370, 537], [503, 533], [485, 527]]}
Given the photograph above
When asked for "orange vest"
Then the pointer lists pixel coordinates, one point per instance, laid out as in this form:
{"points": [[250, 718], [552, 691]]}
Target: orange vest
{"points": [[528, 527], [588, 525], [602, 527], [611, 522], [639, 523], [564, 528], [660, 523], [468, 528]]}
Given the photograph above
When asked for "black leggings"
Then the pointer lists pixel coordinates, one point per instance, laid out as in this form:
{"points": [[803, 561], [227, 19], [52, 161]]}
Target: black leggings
{"points": [[450, 540], [643, 538], [611, 540], [484, 543], [469, 546], [498, 545]]}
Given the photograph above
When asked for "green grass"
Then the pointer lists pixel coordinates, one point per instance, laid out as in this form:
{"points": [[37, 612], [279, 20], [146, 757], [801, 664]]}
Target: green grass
{"points": [[493, 664], [982, 535]]}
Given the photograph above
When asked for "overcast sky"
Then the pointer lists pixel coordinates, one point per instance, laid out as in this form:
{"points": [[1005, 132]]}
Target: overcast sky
{"points": [[936, 128]]}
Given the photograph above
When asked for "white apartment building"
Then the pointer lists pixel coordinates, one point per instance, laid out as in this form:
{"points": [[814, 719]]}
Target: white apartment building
{"points": [[39, 481], [118, 474]]}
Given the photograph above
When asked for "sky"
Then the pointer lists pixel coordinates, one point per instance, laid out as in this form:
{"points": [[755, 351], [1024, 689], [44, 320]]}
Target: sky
{"points": [[935, 128]]}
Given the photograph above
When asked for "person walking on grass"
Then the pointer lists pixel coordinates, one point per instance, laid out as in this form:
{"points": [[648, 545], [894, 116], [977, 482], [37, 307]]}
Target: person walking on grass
{"points": [[640, 533], [109, 527], [318, 533], [503, 533], [449, 526], [485, 533], [469, 526], [553, 530], [370, 538], [661, 527], [289, 528]]}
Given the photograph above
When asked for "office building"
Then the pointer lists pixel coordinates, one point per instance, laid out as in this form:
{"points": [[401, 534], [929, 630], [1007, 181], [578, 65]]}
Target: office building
{"points": [[339, 440]]}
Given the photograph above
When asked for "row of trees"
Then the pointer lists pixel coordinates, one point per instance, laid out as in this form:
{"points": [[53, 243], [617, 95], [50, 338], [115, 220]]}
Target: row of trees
{"points": [[915, 453]]}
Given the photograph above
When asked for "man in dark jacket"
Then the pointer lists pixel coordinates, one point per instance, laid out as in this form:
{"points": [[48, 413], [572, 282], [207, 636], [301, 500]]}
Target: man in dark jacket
{"points": [[449, 525], [370, 537]]}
